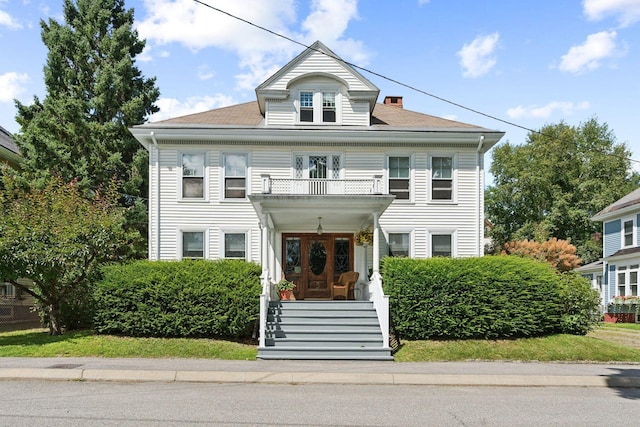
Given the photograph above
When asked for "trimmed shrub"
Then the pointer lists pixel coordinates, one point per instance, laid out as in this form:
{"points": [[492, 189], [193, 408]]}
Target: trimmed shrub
{"points": [[178, 299], [580, 304], [487, 297]]}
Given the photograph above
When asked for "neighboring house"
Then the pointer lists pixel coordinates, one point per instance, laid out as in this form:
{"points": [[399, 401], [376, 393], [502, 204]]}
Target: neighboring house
{"points": [[620, 247], [594, 272], [286, 181], [15, 308], [8, 149]]}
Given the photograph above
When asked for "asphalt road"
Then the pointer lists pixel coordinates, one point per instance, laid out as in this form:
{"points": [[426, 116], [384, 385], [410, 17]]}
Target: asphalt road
{"points": [[66, 403]]}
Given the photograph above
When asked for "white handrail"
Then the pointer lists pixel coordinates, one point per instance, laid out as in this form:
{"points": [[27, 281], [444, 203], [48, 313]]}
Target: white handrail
{"points": [[381, 304]]}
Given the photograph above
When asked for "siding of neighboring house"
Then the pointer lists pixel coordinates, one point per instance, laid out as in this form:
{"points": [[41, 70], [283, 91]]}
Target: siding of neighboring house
{"points": [[612, 237]]}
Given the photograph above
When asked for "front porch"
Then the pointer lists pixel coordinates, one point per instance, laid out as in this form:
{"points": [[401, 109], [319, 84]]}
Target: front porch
{"points": [[308, 239]]}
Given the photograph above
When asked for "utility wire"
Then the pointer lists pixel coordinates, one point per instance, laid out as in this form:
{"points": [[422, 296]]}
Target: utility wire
{"points": [[382, 76]]}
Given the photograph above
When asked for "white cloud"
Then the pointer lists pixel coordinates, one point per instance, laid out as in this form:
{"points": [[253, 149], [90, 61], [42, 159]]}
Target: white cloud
{"points": [[259, 52], [589, 55], [204, 73], [477, 57], [545, 111], [627, 11], [8, 21], [171, 107], [11, 85], [421, 2]]}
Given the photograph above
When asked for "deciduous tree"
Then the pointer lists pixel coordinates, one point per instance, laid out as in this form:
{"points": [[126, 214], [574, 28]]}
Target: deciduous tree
{"points": [[553, 184], [56, 237]]}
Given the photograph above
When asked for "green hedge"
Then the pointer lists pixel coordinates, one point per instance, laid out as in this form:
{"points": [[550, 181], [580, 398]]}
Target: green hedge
{"points": [[486, 297], [178, 299]]}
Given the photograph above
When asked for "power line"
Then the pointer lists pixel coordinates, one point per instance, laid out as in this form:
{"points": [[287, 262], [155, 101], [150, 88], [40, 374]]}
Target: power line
{"points": [[382, 76]]}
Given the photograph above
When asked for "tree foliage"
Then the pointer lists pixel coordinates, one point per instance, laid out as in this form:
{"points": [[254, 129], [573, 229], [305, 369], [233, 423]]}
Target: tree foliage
{"points": [[94, 93], [555, 182], [56, 237], [559, 253]]}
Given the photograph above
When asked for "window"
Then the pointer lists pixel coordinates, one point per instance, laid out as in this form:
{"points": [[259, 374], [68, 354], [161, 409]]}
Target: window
{"points": [[306, 106], [235, 176], [7, 290], [235, 245], [193, 176], [633, 281], [441, 245], [399, 177], [316, 106], [442, 178], [399, 244], [628, 233], [328, 107], [192, 244]]}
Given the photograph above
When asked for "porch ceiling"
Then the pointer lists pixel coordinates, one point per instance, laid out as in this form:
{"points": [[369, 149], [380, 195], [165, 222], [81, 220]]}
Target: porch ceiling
{"points": [[339, 213]]}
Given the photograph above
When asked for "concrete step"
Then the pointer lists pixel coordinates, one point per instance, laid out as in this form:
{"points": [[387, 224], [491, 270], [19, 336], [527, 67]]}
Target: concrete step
{"points": [[327, 353]]}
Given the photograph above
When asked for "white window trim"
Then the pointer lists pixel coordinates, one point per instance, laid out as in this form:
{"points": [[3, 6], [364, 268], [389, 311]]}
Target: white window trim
{"points": [[205, 178], [247, 242], [305, 163], [454, 240], [412, 176], [633, 232], [627, 270], [317, 104], [205, 241], [454, 179], [409, 231], [247, 182]]}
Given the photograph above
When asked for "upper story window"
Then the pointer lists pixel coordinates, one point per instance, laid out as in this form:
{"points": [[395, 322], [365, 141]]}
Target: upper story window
{"points": [[328, 107], [193, 176], [442, 178], [399, 173], [628, 233], [235, 176], [317, 107], [306, 106]]}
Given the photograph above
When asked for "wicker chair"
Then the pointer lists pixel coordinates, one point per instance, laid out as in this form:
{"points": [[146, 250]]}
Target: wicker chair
{"points": [[345, 282]]}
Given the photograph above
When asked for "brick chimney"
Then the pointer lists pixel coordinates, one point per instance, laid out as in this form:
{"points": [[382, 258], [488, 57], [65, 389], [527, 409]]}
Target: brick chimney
{"points": [[394, 101]]}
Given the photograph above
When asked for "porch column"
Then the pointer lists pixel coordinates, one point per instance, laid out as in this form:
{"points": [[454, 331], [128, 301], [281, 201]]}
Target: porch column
{"points": [[376, 246], [264, 253]]}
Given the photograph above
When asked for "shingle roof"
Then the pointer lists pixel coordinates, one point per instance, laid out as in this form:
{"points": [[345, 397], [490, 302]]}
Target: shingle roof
{"points": [[248, 114], [6, 141], [630, 199]]}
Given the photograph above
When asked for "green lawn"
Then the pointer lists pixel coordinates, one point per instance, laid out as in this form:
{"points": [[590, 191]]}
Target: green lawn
{"points": [[596, 347]]}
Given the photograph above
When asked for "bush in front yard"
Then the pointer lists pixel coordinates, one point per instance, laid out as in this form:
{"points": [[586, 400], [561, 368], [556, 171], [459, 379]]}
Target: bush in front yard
{"points": [[580, 304], [487, 297], [178, 299]]}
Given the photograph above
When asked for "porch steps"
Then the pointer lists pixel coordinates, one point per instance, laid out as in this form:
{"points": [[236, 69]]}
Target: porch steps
{"points": [[345, 330]]}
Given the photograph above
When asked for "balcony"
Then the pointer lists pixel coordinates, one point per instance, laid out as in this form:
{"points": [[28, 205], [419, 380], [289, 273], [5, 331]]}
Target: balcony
{"points": [[319, 187]]}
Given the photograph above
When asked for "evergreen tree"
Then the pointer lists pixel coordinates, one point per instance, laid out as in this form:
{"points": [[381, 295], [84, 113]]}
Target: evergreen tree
{"points": [[94, 92]]}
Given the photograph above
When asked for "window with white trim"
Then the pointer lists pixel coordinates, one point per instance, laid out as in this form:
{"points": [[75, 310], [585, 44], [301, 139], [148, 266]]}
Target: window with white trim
{"points": [[628, 230], [441, 245], [193, 168], [399, 177], [193, 244], [399, 244], [628, 280], [235, 176], [7, 290], [235, 246], [442, 178], [318, 106]]}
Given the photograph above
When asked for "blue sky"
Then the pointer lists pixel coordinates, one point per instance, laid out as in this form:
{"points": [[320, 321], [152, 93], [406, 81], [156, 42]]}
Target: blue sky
{"points": [[530, 62]]}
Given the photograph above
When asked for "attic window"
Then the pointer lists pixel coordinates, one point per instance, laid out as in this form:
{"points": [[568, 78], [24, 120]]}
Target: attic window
{"points": [[318, 107], [306, 106], [328, 107]]}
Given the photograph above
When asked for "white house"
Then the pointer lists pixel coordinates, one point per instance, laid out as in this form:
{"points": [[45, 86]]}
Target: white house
{"points": [[287, 180]]}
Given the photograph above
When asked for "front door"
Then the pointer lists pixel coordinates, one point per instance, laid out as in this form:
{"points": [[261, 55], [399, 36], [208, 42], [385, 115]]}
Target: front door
{"points": [[313, 262]]}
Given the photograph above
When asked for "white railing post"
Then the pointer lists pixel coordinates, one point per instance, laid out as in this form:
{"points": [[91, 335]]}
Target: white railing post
{"points": [[266, 183], [265, 279], [380, 300], [377, 184]]}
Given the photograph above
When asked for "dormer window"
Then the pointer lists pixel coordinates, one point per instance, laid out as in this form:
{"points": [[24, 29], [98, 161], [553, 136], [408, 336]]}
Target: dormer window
{"points": [[318, 107]]}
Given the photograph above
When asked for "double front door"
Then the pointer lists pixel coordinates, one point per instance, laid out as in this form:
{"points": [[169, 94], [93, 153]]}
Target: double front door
{"points": [[315, 261]]}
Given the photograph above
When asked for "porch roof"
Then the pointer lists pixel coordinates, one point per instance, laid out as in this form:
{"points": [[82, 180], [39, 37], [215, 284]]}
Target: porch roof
{"points": [[300, 213]]}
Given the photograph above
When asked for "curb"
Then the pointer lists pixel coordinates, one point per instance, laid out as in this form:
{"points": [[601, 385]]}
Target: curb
{"points": [[318, 378]]}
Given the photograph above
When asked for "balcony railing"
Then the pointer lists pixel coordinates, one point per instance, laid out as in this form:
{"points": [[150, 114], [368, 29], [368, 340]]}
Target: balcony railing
{"points": [[318, 187]]}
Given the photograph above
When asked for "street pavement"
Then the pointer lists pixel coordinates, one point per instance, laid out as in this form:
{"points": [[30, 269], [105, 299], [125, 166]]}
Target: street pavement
{"points": [[472, 373]]}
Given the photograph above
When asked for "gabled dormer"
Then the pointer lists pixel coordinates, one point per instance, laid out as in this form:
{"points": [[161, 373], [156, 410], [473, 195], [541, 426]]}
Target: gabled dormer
{"points": [[317, 88]]}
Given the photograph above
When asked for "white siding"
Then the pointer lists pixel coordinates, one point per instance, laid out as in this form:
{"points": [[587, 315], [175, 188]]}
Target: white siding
{"points": [[419, 217]]}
